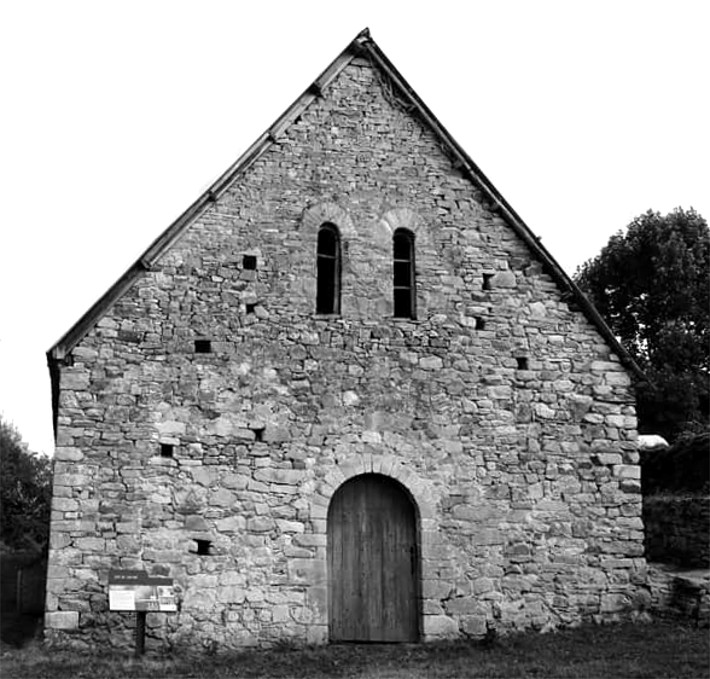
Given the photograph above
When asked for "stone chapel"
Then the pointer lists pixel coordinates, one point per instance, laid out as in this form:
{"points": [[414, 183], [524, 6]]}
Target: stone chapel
{"points": [[347, 396]]}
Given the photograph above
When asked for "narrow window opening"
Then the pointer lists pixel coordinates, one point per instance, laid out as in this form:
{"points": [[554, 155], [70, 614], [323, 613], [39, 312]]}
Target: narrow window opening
{"points": [[328, 270], [522, 362], [251, 308], [480, 323], [258, 434], [203, 547], [203, 346], [487, 280], [167, 450], [403, 282], [249, 262]]}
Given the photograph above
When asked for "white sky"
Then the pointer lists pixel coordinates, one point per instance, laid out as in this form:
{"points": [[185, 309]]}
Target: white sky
{"points": [[115, 116]]}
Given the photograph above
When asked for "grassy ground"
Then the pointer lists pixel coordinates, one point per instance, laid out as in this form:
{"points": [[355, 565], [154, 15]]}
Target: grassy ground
{"points": [[654, 651]]}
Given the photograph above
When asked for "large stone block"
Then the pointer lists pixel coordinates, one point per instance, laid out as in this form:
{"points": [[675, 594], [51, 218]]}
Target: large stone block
{"points": [[439, 627], [627, 471], [503, 279], [474, 625], [465, 605], [62, 620], [307, 571], [74, 380], [232, 524]]}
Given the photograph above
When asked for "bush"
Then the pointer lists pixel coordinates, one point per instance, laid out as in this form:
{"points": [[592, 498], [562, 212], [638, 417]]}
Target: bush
{"points": [[25, 493], [682, 468]]}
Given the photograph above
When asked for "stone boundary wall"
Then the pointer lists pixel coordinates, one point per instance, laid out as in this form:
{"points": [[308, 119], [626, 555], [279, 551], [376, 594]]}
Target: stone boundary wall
{"points": [[676, 502], [678, 529], [680, 593]]}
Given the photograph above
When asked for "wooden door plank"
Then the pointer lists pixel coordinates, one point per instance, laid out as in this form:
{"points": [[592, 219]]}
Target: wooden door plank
{"points": [[373, 587]]}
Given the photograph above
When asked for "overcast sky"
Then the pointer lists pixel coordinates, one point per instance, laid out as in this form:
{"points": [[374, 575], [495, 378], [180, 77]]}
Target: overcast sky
{"points": [[115, 116]]}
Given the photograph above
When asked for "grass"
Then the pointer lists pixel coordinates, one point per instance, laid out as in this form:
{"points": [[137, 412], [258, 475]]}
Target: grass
{"points": [[654, 651]]}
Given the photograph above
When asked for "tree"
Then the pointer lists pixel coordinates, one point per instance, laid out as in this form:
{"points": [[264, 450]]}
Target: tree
{"points": [[651, 283], [25, 493]]}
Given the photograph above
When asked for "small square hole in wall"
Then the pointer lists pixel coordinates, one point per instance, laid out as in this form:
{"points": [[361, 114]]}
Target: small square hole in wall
{"points": [[522, 362], [251, 308], [167, 450], [258, 434], [487, 280], [480, 323], [203, 346], [249, 262], [203, 547]]}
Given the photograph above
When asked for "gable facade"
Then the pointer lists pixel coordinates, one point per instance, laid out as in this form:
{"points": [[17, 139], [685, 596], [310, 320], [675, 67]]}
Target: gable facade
{"points": [[459, 413]]}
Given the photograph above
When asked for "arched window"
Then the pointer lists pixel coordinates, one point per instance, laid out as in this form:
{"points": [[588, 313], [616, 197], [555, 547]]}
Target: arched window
{"points": [[328, 270], [404, 291]]}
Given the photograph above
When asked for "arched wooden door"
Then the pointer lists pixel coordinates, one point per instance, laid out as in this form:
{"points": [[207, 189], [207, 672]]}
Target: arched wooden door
{"points": [[372, 562]]}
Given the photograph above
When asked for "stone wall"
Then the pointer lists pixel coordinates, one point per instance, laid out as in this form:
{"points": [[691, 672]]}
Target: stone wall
{"points": [[676, 502], [500, 409], [680, 593], [678, 529]]}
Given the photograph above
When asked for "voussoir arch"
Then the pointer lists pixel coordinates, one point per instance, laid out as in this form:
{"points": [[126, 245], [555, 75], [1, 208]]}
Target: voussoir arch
{"points": [[386, 465], [403, 218], [332, 213]]}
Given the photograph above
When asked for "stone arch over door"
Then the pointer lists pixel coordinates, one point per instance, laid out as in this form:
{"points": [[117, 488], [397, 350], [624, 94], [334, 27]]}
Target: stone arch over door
{"points": [[373, 561]]}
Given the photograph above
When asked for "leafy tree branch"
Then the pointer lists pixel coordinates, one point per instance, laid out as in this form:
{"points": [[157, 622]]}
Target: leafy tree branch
{"points": [[651, 283], [25, 493]]}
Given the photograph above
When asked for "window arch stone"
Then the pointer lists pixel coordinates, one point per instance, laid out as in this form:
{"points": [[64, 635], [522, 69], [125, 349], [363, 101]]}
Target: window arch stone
{"points": [[387, 465], [316, 215], [402, 218]]}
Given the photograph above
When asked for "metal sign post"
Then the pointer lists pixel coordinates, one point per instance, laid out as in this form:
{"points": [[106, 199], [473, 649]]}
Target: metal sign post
{"points": [[134, 590], [140, 633]]}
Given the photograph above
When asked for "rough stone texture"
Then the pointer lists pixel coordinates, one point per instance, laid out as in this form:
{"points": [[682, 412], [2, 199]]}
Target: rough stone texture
{"points": [[684, 593], [62, 620], [677, 529], [525, 480], [676, 502]]}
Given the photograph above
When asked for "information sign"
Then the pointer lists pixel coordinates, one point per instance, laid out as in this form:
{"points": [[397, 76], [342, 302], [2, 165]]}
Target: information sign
{"points": [[133, 590]]}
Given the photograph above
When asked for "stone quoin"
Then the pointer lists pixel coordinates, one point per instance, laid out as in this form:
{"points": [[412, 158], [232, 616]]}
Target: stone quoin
{"points": [[347, 395]]}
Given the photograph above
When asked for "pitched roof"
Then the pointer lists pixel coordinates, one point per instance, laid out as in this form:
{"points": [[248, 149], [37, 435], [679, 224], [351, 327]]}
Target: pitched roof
{"points": [[362, 45]]}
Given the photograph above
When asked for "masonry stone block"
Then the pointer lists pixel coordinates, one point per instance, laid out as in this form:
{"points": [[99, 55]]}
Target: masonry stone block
{"points": [[503, 279], [474, 625], [439, 627], [307, 571], [62, 620], [627, 471]]}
